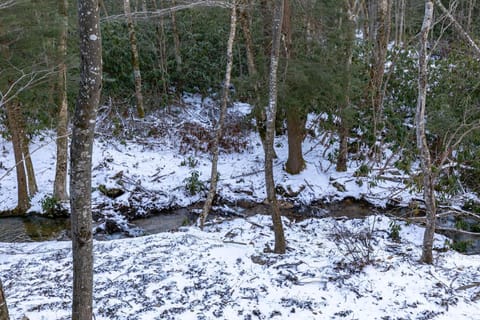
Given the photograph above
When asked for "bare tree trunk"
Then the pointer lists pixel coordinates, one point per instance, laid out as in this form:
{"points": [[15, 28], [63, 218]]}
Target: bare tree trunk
{"points": [[31, 181], [295, 117], [295, 134], [223, 110], [245, 23], [81, 157], [343, 130], [459, 28], [3, 304], [379, 56], [60, 184], [471, 7], [102, 5], [176, 42], [271, 112], [420, 119], [161, 50], [23, 202], [135, 59]]}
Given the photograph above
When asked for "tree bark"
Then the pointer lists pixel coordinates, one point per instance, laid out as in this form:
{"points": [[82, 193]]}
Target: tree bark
{"points": [[60, 184], [135, 59], [245, 23], [271, 112], [295, 116], [23, 202], [176, 42], [295, 134], [344, 126], [81, 157], [379, 56], [223, 110], [420, 118], [31, 181], [3, 304]]}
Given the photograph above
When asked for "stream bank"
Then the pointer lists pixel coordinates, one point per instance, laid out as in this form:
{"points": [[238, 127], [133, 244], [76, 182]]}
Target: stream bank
{"points": [[35, 227]]}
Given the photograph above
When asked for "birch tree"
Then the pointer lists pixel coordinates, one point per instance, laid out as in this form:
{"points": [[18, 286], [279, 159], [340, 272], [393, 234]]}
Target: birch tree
{"points": [[421, 137], [81, 157], [271, 112], [223, 110]]}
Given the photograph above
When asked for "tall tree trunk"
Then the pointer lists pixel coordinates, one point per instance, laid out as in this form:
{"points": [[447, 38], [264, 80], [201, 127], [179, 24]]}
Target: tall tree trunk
{"points": [[102, 5], [245, 23], [420, 119], [271, 112], [81, 157], [23, 202], [161, 51], [295, 117], [31, 181], [60, 184], [176, 42], [135, 59], [379, 56], [223, 110], [344, 127], [295, 133], [259, 111], [3, 304]]}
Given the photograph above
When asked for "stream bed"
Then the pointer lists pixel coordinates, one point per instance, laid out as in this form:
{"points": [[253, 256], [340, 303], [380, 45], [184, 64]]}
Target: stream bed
{"points": [[37, 228]]}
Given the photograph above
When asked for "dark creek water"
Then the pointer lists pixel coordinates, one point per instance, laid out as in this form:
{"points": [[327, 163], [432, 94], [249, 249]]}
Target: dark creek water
{"points": [[32, 228], [35, 228]]}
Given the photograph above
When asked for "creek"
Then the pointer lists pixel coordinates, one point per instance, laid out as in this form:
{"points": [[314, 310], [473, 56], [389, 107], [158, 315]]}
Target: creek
{"points": [[37, 228]]}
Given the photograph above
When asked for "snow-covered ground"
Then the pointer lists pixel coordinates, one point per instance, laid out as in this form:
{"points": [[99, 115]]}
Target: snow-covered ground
{"points": [[223, 272]]}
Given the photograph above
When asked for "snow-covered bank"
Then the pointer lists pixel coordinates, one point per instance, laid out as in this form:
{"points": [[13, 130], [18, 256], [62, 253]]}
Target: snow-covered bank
{"points": [[154, 160], [223, 273]]}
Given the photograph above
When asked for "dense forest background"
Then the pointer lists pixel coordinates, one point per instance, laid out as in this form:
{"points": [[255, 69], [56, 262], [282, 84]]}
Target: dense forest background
{"points": [[346, 60]]}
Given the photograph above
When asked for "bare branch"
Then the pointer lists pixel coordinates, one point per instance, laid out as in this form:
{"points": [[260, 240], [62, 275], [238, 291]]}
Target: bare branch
{"points": [[168, 11], [459, 28], [4, 4], [25, 81]]}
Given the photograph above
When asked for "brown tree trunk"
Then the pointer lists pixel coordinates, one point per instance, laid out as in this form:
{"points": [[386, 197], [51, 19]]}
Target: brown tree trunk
{"points": [[245, 23], [379, 56], [259, 111], [296, 133], [344, 126], [60, 184], [135, 59], [24, 145], [81, 157], [295, 118], [161, 51], [271, 111], [23, 202], [102, 5], [420, 119], [223, 110], [3, 304], [176, 42]]}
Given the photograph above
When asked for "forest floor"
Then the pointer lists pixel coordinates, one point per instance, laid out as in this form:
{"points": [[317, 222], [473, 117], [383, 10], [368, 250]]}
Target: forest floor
{"points": [[334, 267]]}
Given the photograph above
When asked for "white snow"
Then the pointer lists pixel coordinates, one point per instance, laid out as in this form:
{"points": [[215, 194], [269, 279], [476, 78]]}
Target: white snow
{"points": [[223, 272]]}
